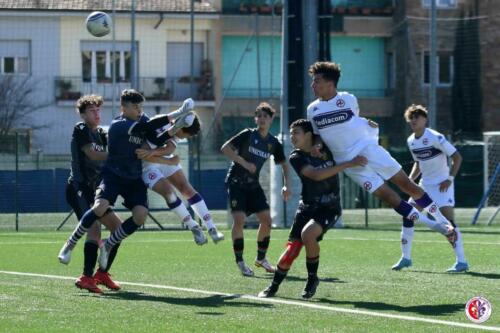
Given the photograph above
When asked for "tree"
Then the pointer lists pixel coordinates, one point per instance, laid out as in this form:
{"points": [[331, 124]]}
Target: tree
{"points": [[19, 100]]}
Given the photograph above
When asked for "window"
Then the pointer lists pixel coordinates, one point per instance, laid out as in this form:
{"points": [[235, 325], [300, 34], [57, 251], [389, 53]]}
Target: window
{"points": [[444, 72], [14, 57], [441, 4], [98, 60]]}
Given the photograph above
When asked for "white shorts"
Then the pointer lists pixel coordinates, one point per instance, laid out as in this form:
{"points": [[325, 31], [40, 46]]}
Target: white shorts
{"points": [[381, 166], [152, 173], [442, 199]]}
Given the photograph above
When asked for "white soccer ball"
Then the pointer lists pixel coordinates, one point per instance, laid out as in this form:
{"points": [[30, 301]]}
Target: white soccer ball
{"points": [[98, 24]]}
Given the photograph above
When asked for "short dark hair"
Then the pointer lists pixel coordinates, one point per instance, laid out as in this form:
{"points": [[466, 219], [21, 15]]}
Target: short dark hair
{"points": [[305, 124], [415, 111], [329, 71], [88, 100], [266, 107], [131, 96], [195, 127]]}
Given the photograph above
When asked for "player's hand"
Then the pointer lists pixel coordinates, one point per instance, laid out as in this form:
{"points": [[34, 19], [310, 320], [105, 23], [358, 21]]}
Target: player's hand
{"points": [[250, 167], [359, 161], [443, 186], [286, 193], [372, 123], [173, 160], [143, 153], [316, 150]]}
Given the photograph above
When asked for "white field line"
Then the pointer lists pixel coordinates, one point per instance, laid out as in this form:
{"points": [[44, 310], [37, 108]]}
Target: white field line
{"points": [[166, 240], [280, 301]]}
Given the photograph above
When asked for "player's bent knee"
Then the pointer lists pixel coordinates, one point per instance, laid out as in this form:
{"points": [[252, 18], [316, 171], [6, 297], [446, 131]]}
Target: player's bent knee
{"points": [[292, 252]]}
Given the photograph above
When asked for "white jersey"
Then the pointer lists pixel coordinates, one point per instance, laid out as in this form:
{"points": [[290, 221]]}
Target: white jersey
{"points": [[338, 123], [431, 151]]}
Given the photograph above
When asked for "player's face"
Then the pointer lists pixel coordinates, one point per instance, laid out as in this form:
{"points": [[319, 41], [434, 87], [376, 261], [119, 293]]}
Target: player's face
{"points": [[92, 115], [297, 137], [132, 111], [263, 120], [322, 88], [417, 123]]}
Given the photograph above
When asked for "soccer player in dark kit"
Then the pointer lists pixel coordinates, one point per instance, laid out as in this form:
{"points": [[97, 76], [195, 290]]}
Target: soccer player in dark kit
{"points": [[122, 171], [248, 150], [88, 153], [318, 209]]}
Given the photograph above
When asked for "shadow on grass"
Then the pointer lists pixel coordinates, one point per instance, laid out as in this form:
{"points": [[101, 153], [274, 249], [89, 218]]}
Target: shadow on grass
{"points": [[427, 309], [493, 276], [213, 301], [420, 230], [296, 278]]}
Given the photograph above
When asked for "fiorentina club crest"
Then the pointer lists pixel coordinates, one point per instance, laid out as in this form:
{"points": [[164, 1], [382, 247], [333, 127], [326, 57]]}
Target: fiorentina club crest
{"points": [[425, 141], [340, 103], [432, 209], [413, 217], [367, 186], [151, 176], [478, 309]]}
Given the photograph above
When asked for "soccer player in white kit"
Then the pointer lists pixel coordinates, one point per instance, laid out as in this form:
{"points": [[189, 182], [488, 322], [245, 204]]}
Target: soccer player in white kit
{"points": [[335, 118], [430, 151]]}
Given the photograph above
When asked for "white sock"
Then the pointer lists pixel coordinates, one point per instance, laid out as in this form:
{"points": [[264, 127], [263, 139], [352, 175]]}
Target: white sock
{"points": [[459, 247], [417, 216], [201, 209], [433, 209], [406, 240], [183, 213]]}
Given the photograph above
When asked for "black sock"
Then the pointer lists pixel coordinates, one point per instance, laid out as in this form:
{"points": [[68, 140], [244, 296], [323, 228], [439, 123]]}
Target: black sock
{"points": [[312, 267], [262, 248], [279, 275], [111, 257], [238, 246], [127, 228], [89, 257]]}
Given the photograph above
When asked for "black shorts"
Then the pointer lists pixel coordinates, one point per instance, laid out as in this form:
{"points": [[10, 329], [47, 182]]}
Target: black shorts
{"points": [[80, 197], [133, 191], [247, 199], [324, 216]]}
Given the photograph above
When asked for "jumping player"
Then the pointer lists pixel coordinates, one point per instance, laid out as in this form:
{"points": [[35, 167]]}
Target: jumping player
{"points": [[122, 172], [248, 150], [318, 209], [430, 151], [335, 118], [160, 178]]}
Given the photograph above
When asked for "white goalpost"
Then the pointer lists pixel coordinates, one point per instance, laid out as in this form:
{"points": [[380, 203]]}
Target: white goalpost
{"points": [[491, 196]]}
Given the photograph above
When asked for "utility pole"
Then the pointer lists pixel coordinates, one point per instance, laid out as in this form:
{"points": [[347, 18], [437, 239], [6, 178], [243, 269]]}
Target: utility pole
{"points": [[432, 67]]}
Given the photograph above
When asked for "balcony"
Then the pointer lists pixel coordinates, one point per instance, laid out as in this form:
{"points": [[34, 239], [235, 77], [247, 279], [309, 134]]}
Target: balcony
{"points": [[153, 88], [265, 7]]}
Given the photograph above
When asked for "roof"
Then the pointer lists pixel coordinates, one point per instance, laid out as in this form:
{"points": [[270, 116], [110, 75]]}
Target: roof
{"points": [[179, 6]]}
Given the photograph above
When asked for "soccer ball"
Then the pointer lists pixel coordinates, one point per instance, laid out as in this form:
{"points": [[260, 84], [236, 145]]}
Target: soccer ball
{"points": [[98, 24]]}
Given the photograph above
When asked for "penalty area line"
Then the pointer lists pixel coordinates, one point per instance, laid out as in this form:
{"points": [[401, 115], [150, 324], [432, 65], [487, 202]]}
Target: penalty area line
{"points": [[303, 304]]}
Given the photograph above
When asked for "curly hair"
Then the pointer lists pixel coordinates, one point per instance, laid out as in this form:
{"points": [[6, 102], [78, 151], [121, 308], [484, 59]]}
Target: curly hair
{"points": [[330, 71], [265, 107], [415, 110], [131, 96], [88, 100]]}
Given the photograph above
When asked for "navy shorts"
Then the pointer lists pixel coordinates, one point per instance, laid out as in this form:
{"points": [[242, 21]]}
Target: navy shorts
{"points": [[133, 191], [250, 199], [324, 216]]}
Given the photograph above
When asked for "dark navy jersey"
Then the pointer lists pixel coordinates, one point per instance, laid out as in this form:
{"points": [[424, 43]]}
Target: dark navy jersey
{"points": [[254, 149], [324, 192], [124, 137], [83, 169]]}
